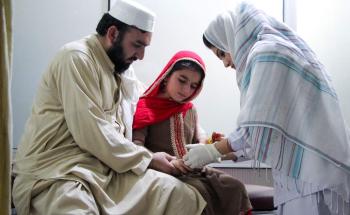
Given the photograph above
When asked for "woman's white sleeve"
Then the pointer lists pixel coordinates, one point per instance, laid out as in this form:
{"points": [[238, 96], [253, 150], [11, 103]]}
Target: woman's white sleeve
{"points": [[238, 139]]}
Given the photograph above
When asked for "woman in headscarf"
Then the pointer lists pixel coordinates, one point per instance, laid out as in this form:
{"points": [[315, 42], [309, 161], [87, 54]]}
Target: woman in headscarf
{"points": [[166, 121], [290, 116]]}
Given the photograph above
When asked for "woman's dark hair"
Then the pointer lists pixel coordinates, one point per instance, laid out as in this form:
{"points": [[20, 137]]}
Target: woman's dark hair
{"points": [[207, 43], [107, 21], [184, 64]]}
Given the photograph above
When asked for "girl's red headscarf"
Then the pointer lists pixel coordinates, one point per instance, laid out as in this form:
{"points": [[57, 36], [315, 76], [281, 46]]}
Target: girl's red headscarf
{"points": [[151, 109]]}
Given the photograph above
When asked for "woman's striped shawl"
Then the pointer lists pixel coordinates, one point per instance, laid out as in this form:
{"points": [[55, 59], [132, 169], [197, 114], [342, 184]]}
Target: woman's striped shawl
{"points": [[283, 87]]}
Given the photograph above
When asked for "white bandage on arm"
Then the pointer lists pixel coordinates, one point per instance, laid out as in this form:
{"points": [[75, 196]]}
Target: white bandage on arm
{"points": [[201, 155]]}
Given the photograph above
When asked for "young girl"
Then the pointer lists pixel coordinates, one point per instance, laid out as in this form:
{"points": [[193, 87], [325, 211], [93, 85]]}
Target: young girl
{"points": [[166, 120]]}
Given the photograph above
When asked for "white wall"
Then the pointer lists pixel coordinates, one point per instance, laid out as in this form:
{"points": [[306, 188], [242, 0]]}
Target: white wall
{"points": [[41, 27], [180, 25], [326, 28]]}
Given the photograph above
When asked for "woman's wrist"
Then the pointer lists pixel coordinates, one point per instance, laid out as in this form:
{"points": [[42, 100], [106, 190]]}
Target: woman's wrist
{"points": [[223, 146]]}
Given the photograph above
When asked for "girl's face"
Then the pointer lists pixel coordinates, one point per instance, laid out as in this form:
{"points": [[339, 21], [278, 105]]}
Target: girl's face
{"points": [[224, 57], [182, 84]]}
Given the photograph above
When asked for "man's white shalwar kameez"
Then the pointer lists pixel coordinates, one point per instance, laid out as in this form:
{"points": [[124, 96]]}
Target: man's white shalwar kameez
{"points": [[76, 156]]}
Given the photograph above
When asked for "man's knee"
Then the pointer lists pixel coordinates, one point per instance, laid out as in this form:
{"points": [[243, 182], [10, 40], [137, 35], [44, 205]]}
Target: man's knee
{"points": [[181, 197], [64, 197], [174, 188]]}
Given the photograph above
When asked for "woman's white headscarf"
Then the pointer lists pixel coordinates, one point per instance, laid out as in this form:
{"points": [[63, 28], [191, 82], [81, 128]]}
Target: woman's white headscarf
{"points": [[285, 88], [222, 39]]}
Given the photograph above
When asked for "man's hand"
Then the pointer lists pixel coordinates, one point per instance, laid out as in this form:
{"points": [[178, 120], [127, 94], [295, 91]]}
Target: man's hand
{"points": [[161, 161], [181, 167], [201, 155]]}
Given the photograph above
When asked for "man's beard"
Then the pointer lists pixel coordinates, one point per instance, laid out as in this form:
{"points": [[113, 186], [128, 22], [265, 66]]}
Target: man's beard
{"points": [[117, 56]]}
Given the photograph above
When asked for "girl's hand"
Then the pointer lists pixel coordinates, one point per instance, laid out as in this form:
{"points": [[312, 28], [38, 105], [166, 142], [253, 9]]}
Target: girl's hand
{"points": [[161, 161]]}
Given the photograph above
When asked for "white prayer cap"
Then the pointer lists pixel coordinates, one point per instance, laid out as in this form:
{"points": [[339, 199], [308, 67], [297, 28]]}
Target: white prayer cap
{"points": [[133, 13]]}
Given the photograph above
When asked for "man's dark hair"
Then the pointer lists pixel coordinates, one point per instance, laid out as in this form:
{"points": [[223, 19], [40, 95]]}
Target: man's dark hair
{"points": [[207, 43], [107, 21]]}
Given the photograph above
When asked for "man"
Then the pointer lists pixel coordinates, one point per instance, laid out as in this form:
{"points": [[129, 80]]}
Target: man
{"points": [[76, 156]]}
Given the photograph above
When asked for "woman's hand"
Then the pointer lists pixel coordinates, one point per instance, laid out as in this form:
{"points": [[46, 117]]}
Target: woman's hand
{"points": [[230, 156], [215, 136]]}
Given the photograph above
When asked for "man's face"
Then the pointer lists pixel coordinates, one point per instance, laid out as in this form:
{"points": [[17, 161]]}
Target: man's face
{"points": [[128, 47]]}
